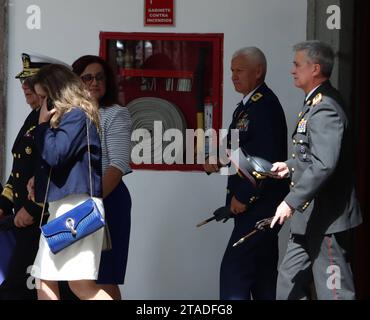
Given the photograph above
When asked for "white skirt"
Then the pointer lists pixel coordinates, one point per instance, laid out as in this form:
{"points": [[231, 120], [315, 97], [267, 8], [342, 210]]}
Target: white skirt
{"points": [[81, 260]]}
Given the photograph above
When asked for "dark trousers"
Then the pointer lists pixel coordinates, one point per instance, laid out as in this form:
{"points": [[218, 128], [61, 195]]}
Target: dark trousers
{"points": [[322, 259], [18, 284], [250, 269]]}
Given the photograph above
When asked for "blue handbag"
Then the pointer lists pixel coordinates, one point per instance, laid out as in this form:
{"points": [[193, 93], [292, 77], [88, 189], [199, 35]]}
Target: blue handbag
{"points": [[74, 224]]}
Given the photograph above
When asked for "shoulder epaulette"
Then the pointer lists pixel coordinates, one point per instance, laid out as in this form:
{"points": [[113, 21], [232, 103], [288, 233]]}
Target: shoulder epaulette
{"points": [[317, 99], [8, 192], [257, 96]]}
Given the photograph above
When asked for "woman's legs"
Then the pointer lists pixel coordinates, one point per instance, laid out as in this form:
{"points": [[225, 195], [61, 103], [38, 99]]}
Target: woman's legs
{"points": [[48, 290], [88, 290], [112, 290]]}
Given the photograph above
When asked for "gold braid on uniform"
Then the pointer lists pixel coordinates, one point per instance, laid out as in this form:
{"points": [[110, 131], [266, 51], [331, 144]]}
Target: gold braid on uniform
{"points": [[8, 192]]}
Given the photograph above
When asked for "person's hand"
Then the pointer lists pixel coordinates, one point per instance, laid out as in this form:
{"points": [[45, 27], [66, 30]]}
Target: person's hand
{"points": [[211, 165], [281, 169], [23, 219], [31, 189], [236, 206], [45, 114], [2, 214], [283, 213]]}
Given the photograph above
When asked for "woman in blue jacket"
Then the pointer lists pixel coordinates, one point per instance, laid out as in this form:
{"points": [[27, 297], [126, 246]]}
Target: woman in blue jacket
{"points": [[61, 139]]}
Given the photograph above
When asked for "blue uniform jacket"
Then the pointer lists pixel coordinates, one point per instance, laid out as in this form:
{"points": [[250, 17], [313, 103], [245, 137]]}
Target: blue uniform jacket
{"points": [[64, 149], [262, 133]]}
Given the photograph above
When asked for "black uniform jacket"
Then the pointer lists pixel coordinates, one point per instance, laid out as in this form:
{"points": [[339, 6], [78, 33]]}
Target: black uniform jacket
{"points": [[25, 157]]}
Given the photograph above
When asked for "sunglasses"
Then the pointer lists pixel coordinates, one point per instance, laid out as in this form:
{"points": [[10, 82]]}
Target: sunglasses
{"points": [[27, 81], [89, 78]]}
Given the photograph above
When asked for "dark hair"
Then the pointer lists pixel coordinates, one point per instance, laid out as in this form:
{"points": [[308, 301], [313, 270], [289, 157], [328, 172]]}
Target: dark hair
{"points": [[111, 93]]}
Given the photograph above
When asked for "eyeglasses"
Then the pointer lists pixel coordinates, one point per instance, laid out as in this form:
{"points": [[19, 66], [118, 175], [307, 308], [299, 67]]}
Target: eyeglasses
{"points": [[89, 78]]}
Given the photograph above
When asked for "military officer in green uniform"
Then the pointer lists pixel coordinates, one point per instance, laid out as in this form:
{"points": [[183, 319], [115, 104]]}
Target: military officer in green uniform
{"points": [[322, 202], [14, 197]]}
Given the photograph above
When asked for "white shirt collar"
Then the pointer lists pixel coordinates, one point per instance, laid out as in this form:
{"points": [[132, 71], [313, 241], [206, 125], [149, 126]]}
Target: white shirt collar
{"points": [[248, 96], [311, 92]]}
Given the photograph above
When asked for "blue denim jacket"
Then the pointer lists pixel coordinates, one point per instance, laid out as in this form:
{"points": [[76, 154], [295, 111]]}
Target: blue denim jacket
{"points": [[64, 150]]}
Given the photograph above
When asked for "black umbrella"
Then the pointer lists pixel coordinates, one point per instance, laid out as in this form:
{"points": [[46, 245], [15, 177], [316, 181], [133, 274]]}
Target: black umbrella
{"points": [[222, 213]]}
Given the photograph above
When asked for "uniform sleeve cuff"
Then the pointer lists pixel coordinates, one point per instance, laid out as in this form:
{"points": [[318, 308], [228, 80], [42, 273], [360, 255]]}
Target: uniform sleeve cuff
{"points": [[289, 163], [33, 209], [297, 204], [246, 198]]}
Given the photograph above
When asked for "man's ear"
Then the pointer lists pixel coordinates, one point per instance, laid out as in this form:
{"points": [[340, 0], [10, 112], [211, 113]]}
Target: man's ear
{"points": [[259, 72], [316, 70]]}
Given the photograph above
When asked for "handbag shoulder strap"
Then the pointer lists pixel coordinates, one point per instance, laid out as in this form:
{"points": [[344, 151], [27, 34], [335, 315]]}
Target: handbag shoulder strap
{"points": [[46, 195], [90, 174], [89, 155]]}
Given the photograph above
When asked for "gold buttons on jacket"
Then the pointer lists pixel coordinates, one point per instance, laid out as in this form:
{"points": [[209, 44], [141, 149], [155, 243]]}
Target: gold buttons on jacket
{"points": [[252, 199], [17, 175], [305, 205], [16, 195]]}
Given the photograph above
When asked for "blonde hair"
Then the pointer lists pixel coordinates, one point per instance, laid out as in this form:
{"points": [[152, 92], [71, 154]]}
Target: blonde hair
{"points": [[67, 92]]}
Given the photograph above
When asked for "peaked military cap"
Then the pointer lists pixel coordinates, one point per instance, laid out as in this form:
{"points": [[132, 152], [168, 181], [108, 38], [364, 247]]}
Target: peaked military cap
{"points": [[251, 167], [32, 63]]}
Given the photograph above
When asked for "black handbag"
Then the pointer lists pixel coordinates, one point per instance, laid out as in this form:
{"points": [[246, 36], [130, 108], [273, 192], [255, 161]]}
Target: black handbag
{"points": [[74, 224]]}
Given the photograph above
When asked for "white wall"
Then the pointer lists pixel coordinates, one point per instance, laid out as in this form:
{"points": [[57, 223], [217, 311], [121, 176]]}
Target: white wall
{"points": [[169, 258]]}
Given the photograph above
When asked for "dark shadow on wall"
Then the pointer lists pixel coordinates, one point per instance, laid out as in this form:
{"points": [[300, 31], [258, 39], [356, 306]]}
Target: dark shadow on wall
{"points": [[3, 72], [360, 113]]}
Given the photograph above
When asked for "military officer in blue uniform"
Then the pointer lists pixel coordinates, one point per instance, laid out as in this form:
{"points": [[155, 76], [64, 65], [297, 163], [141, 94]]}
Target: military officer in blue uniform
{"points": [[322, 202], [17, 284], [250, 270]]}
